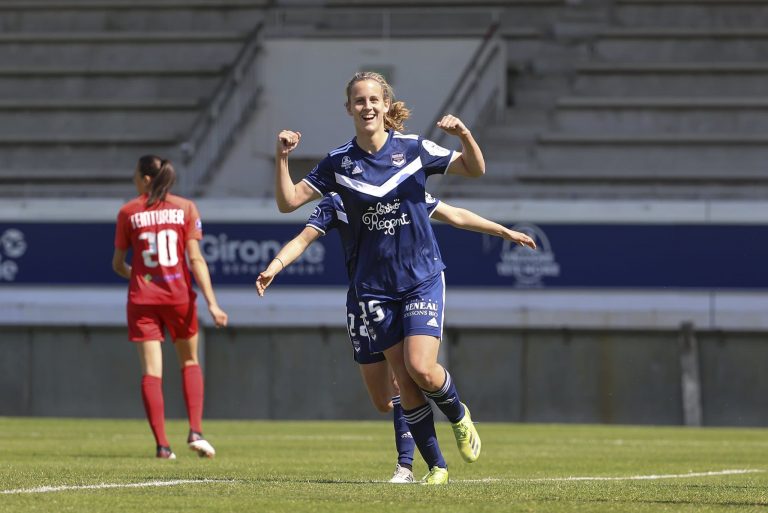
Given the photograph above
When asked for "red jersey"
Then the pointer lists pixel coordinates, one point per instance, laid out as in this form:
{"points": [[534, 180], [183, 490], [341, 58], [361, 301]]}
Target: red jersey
{"points": [[158, 236]]}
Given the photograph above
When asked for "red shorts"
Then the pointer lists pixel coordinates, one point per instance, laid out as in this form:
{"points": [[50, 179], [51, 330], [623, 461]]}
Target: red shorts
{"points": [[146, 322]]}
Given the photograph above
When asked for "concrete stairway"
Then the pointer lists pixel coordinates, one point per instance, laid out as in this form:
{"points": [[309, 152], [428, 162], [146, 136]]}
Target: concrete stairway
{"points": [[660, 98], [86, 87]]}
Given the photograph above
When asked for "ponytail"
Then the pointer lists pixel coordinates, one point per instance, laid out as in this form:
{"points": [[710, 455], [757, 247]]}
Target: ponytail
{"points": [[395, 118], [162, 174]]}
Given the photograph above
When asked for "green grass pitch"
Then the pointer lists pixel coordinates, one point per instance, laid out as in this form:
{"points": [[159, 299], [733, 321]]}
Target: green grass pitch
{"points": [[340, 467]]}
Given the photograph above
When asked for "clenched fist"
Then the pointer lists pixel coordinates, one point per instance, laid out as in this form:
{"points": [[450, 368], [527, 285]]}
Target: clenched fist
{"points": [[287, 141]]}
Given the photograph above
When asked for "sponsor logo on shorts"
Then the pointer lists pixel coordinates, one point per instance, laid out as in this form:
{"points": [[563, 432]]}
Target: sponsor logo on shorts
{"points": [[425, 307]]}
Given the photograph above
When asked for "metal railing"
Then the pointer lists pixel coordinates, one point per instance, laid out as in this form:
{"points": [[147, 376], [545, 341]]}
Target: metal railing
{"points": [[231, 105], [480, 91]]}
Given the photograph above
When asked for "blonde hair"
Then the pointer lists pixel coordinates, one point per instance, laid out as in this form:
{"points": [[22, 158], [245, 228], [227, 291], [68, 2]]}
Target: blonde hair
{"points": [[398, 112]]}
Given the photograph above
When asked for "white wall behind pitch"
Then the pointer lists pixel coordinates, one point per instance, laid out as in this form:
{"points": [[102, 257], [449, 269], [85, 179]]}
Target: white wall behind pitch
{"points": [[304, 82]]}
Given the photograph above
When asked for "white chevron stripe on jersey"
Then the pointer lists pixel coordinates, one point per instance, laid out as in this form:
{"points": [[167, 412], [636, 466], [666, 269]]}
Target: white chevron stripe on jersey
{"points": [[385, 188], [342, 216]]}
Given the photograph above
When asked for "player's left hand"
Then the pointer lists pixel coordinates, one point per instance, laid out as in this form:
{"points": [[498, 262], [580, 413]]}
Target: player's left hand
{"points": [[219, 316], [452, 125], [263, 281], [520, 238]]}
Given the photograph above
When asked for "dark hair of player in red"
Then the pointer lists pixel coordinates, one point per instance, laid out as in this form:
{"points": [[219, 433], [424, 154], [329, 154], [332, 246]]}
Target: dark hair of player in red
{"points": [[161, 172]]}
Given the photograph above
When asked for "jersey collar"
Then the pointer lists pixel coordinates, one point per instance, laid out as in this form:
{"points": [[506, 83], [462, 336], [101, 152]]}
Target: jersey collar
{"points": [[381, 151]]}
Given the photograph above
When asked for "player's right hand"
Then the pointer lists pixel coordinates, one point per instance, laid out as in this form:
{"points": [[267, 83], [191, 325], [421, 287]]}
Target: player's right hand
{"points": [[287, 141], [219, 316], [521, 238]]}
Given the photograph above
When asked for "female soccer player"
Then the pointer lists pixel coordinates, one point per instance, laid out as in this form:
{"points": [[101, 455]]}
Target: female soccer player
{"points": [[162, 229], [380, 175], [329, 215]]}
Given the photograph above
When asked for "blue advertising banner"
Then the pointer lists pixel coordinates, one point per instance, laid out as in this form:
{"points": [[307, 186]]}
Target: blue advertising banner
{"points": [[569, 255]]}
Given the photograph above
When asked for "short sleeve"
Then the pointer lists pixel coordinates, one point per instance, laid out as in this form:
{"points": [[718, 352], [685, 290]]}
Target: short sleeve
{"points": [[324, 217], [322, 178], [122, 231], [434, 158], [194, 225], [431, 202]]}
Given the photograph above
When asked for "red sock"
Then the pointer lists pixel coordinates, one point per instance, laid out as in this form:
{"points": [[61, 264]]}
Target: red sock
{"points": [[152, 395], [192, 381]]}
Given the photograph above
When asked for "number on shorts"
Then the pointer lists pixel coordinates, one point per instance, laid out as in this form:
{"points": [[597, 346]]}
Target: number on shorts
{"points": [[162, 245], [351, 327], [373, 308]]}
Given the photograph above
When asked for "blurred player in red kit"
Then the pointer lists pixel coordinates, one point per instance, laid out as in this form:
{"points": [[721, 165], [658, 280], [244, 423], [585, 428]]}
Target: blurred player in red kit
{"points": [[163, 230]]}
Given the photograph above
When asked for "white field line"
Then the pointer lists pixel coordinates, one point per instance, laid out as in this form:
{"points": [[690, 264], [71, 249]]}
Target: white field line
{"points": [[149, 484], [104, 486], [650, 477]]}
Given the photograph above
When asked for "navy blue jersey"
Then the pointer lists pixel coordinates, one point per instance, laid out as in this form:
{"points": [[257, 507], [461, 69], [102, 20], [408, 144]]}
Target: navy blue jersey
{"points": [[329, 214], [384, 199]]}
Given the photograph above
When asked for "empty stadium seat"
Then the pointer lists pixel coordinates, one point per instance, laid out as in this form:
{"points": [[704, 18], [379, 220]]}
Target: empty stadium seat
{"points": [[86, 87]]}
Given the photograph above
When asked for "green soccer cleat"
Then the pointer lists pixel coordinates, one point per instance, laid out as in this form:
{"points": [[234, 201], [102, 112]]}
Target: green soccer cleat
{"points": [[436, 476], [467, 438]]}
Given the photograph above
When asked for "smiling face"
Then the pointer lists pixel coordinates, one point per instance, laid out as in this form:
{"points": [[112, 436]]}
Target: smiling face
{"points": [[367, 106]]}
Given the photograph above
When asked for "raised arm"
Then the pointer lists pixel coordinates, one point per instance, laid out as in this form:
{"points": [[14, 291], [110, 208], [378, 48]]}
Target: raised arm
{"points": [[468, 220], [289, 195], [470, 161], [292, 250], [199, 268]]}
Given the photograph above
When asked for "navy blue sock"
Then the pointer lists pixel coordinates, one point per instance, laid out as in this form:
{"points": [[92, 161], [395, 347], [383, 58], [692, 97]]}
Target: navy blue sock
{"points": [[422, 427], [403, 438], [447, 399]]}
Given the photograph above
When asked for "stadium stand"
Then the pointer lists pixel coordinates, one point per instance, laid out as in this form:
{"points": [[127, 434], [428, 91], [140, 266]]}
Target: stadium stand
{"points": [[603, 98], [86, 86], [634, 98]]}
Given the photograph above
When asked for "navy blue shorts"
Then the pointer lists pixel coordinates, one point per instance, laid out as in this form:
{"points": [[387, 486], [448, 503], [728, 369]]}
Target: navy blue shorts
{"points": [[358, 334], [418, 311]]}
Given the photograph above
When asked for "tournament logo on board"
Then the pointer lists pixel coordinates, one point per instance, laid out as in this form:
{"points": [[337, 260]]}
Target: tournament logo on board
{"points": [[13, 246], [528, 266]]}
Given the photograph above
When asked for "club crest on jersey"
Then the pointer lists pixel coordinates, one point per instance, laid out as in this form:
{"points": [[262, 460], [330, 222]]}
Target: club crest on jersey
{"points": [[346, 163], [398, 159]]}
